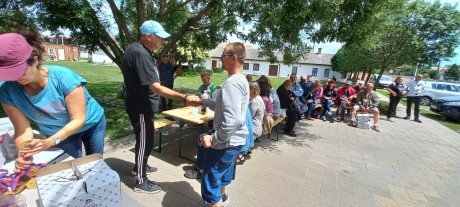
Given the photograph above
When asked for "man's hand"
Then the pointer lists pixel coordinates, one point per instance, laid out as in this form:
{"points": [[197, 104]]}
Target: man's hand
{"points": [[193, 100], [206, 141], [362, 108]]}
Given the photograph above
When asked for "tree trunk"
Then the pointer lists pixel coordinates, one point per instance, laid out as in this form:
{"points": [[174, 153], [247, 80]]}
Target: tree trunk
{"points": [[364, 74], [368, 76], [140, 16]]}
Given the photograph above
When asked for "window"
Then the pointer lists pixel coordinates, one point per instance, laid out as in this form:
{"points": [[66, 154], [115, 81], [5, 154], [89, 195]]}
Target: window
{"points": [[294, 70], [454, 88], [255, 67], [246, 66], [314, 73], [441, 87], [326, 72]]}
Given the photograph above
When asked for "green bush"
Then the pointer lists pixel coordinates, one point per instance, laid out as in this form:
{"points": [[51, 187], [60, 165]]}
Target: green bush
{"points": [[218, 70], [189, 72], [383, 108]]}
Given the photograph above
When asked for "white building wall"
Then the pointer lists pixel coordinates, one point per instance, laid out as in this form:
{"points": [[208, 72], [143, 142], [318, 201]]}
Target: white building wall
{"points": [[101, 59], [284, 70]]}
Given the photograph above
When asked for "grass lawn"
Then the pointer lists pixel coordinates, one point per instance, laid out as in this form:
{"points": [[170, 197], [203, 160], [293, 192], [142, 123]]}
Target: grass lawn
{"points": [[425, 111], [102, 84]]}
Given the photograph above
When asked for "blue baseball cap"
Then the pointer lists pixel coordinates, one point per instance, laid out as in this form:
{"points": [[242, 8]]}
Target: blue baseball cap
{"points": [[153, 27]]}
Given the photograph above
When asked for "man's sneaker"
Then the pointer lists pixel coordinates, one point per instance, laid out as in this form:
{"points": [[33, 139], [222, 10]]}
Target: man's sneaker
{"points": [[225, 200], [193, 174], [148, 171], [417, 120], [310, 119], [407, 117], [375, 128], [147, 186], [389, 119]]}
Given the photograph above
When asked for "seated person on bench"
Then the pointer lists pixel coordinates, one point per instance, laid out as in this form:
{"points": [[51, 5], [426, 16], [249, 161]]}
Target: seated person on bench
{"points": [[344, 96], [367, 100]]}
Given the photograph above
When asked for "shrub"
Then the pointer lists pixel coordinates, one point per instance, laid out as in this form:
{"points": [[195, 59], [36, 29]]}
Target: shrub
{"points": [[218, 70], [383, 108], [188, 72]]}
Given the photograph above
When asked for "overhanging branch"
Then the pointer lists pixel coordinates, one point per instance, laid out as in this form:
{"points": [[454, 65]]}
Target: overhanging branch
{"points": [[210, 25], [165, 13], [120, 20]]}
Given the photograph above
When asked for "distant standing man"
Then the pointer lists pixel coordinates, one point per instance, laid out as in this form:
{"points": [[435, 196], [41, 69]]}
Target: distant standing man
{"points": [[414, 94], [230, 131], [167, 75], [139, 76]]}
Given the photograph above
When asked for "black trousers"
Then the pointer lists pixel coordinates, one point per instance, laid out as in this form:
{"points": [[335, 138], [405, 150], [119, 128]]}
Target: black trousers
{"points": [[416, 101], [292, 117], [394, 101], [165, 107], [144, 131]]}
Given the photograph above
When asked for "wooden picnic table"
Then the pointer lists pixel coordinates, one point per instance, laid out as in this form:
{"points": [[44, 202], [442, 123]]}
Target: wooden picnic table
{"points": [[192, 115]]}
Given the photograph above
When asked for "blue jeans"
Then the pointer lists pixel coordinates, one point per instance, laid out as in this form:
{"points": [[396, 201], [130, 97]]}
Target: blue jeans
{"points": [[201, 153], [327, 106], [218, 172], [310, 108], [93, 140]]}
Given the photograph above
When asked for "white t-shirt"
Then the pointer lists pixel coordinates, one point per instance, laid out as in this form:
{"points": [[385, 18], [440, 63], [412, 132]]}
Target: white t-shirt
{"points": [[415, 88]]}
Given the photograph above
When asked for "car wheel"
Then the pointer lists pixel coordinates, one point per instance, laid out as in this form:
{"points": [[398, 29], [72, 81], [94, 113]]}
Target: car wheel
{"points": [[425, 101]]}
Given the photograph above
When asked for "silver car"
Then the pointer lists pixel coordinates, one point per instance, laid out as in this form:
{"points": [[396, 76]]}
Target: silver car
{"points": [[435, 90], [384, 81]]}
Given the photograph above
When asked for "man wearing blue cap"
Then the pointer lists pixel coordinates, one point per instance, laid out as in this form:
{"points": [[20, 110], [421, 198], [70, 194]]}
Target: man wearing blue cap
{"points": [[140, 77]]}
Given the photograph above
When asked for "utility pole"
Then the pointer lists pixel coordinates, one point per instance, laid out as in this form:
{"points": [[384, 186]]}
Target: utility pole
{"points": [[438, 75]]}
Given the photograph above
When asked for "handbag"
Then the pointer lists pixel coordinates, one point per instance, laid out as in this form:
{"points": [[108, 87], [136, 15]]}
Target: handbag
{"points": [[267, 124]]}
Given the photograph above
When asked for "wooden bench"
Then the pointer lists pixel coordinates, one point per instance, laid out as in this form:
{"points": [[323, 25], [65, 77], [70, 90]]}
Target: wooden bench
{"points": [[158, 125], [277, 125]]}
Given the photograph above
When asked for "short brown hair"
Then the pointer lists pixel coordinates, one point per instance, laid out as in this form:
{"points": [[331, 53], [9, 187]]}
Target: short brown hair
{"points": [[203, 74], [239, 50]]}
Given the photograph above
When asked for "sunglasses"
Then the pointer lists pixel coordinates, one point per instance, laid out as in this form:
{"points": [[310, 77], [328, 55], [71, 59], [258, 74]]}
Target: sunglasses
{"points": [[224, 55], [229, 55]]}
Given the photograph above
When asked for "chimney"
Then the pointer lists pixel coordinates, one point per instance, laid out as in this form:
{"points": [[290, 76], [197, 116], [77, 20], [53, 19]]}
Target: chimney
{"points": [[319, 50]]}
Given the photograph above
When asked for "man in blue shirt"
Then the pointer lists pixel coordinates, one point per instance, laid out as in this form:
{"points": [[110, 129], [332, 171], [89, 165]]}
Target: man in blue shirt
{"points": [[168, 73], [414, 95]]}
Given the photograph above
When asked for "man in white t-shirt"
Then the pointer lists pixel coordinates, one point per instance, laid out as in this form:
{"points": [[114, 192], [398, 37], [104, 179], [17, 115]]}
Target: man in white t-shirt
{"points": [[414, 94]]}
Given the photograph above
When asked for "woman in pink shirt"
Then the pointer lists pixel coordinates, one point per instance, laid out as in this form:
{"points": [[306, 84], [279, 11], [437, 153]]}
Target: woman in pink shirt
{"points": [[319, 93]]}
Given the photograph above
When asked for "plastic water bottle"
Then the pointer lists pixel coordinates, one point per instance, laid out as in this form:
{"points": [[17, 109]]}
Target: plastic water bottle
{"points": [[205, 96]]}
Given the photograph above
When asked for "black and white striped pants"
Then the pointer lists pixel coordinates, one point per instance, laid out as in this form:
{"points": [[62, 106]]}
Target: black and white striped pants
{"points": [[144, 131]]}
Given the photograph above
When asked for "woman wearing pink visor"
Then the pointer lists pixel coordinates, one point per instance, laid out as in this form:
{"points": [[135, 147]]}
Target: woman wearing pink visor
{"points": [[54, 97]]}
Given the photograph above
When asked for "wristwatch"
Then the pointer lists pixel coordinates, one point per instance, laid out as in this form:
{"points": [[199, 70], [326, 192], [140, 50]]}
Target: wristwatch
{"points": [[185, 97], [57, 140]]}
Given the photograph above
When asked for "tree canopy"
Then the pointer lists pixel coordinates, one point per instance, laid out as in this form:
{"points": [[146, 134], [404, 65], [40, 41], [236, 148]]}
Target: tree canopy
{"points": [[417, 33], [285, 25], [453, 73]]}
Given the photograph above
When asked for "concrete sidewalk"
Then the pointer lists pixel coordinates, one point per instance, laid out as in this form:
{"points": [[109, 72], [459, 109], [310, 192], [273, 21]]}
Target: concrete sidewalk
{"points": [[406, 164]]}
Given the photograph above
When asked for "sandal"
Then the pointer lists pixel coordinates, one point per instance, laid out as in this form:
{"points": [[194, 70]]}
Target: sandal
{"points": [[240, 158]]}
